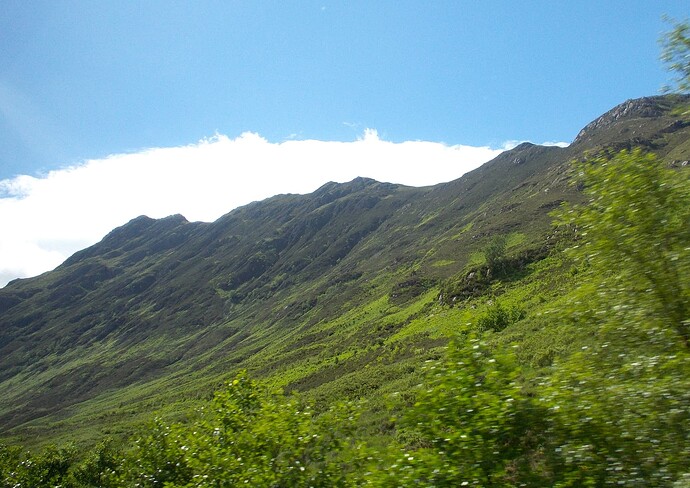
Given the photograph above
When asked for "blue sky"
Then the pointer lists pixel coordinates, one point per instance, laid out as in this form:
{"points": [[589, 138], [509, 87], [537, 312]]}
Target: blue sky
{"points": [[113, 109], [85, 79]]}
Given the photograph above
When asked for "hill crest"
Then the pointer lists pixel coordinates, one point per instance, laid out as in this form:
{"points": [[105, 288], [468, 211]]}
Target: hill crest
{"points": [[167, 303]]}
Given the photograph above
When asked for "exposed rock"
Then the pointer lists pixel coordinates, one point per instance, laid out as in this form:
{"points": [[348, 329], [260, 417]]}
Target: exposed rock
{"points": [[646, 107]]}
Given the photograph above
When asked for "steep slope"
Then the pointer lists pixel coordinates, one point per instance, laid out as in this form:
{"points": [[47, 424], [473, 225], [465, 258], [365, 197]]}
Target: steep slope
{"points": [[296, 288]]}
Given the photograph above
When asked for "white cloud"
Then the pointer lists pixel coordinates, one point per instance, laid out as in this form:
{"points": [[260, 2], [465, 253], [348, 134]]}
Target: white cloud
{"points": [[46, 219], [508, 145], [556, 143]]}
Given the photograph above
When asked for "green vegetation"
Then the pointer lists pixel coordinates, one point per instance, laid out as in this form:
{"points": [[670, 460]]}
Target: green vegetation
{"points": [[379, 335], [676, 54], [611, 405], [495, 250], [635, 238]]}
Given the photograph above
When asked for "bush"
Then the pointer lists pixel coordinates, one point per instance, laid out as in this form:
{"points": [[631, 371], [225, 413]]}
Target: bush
{"points": [[498, 317]]}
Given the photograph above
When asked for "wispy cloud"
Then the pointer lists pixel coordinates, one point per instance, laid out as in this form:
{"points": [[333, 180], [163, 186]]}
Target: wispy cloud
{"points": [[46, 219]]}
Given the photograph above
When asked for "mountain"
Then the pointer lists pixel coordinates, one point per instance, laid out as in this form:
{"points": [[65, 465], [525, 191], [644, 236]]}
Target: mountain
{"points": [[308, 292]]}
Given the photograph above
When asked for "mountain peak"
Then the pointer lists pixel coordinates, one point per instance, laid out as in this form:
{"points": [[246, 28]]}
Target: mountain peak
{"points": [[137, 230], [636, 108], [333, 190], [355, 184], [143, 222], [522, 146]]}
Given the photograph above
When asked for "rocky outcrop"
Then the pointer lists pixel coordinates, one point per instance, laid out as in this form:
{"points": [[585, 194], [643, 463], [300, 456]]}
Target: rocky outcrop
{"points": [[638, 108]]}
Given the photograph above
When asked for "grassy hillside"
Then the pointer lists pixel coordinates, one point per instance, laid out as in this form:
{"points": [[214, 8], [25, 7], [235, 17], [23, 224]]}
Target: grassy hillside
{"points": [[343, 294]]}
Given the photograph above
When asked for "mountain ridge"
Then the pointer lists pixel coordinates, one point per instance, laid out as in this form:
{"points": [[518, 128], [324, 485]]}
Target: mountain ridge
{"points": [[175, 305]]}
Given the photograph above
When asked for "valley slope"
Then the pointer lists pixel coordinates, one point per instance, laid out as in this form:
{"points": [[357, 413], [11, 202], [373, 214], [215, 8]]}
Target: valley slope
{"points": [[339, 293]]}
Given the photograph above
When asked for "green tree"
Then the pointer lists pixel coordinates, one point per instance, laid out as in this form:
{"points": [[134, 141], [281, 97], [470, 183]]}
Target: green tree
{"points": [[99, 468], [498, 317], [620, 416], [473, 425], [634, 238], [676, 54], [494, 252], [621, 405], [245, 437], [49, 468], [10, 460], [156, 459]]}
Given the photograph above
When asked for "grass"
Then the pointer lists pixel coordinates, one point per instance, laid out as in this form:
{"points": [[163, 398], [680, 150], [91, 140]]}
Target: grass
{"points": [[341, 301]]}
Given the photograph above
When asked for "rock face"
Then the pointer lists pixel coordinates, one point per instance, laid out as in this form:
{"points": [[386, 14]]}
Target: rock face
{"points": [[638, 108]]}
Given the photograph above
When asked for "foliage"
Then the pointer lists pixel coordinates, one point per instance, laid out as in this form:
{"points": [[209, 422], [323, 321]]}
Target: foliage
{"points": [[475, 424], [100, 467], [495, 251], [157, 458], [498, 317], [634, 235], [246, 438], [10, 460], [676, 54], [621, 407], [621, 417], [48, 468]]}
